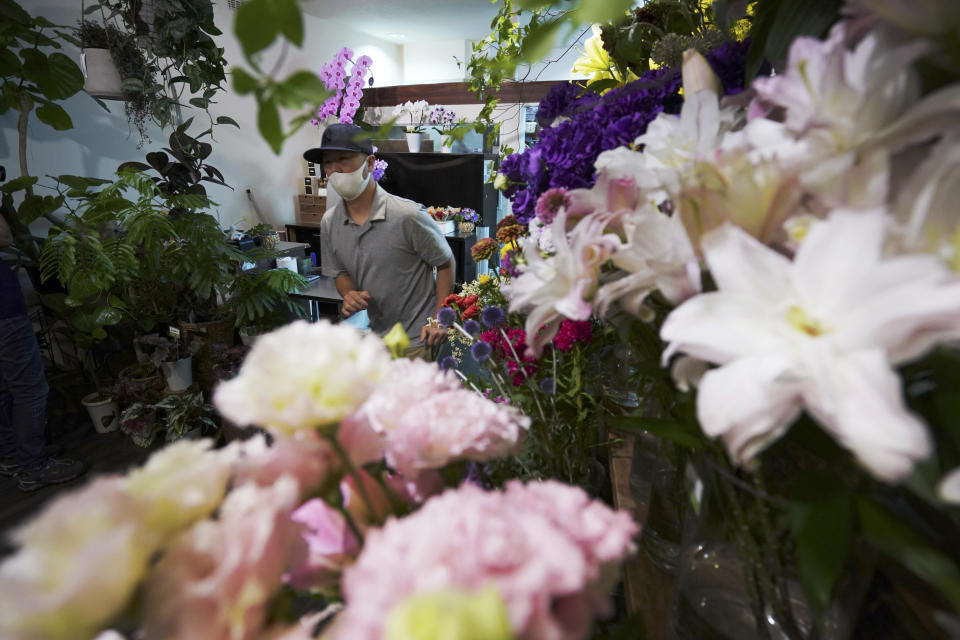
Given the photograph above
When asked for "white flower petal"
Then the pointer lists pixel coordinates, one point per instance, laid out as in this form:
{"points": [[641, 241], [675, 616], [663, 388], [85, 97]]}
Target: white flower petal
{"points": [[749, 403], [740, 263], [949, 487], [858, 400]]}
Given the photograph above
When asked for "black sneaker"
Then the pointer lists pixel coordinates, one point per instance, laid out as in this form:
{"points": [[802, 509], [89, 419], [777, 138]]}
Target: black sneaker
{"points": [[53, 471], [9, 469]]}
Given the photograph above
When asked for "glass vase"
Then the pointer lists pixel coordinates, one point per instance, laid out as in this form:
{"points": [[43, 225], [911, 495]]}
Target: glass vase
{"points": [[736, 578]]}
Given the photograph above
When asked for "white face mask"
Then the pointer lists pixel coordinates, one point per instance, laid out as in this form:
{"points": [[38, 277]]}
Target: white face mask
{"points": [[350, 185]]}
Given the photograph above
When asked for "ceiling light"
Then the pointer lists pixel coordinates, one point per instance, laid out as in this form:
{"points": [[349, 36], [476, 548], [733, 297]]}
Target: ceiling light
{"points": [[396, 36]]}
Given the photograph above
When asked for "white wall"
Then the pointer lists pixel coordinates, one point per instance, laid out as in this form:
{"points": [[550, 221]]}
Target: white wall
{"points": [[100, 141], [435, 61]]}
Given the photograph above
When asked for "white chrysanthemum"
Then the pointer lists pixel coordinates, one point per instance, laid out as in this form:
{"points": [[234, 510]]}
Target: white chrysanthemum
{"points": [[303, 376]]}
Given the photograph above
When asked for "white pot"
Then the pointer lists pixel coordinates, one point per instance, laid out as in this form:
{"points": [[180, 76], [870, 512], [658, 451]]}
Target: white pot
{"points": [[413, 142], [101, 78], [447, 226], [104, 412], [179, 374], [446, 143]]}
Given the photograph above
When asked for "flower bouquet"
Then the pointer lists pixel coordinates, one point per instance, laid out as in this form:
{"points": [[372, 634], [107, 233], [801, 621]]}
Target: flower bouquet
{"points": [[444, 217], [786, 260], [346, 499], [416, 113], [466, 218]]}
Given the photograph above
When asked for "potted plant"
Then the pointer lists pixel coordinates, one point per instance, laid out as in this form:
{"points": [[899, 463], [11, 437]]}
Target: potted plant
{"points": [[173, 59], [444, 121], [417, 115], [187, 415], [172, 357], [131, 77]]}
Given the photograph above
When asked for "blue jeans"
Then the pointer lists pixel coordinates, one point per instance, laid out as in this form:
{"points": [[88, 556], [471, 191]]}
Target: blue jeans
{"points": [[23, 394]]}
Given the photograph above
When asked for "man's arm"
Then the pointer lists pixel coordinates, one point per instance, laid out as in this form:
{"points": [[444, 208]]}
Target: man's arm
{"points": [[6, 235], [353, 300], [435, 335], [444, 283]]}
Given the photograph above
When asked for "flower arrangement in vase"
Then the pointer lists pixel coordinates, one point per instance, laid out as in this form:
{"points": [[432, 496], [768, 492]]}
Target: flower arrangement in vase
{"points": [[443, 216], [466, 218]]}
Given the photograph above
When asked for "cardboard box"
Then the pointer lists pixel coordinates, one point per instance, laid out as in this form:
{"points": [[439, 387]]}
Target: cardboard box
{"points": [[310, 208]]}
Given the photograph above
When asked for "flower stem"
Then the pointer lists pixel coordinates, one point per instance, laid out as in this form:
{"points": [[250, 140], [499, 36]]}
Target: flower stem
{"points": [[354, 473]]}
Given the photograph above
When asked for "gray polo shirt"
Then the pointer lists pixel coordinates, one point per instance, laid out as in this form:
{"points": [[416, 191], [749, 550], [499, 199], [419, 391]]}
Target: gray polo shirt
{"points": [[391, 255]]}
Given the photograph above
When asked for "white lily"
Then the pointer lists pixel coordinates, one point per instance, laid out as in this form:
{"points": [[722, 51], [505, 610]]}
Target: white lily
{"points": [[926, 206], [562, 285], [671, 143], [657, 255], [820, 333], [836, 101]]}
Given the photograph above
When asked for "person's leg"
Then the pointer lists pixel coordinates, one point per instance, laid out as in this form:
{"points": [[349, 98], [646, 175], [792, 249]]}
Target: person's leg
{"points": [[22, 438], [23, 381]]}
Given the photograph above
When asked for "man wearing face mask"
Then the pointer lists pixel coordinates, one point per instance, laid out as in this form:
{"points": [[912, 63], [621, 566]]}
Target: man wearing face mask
{"points": [[379, 248]]}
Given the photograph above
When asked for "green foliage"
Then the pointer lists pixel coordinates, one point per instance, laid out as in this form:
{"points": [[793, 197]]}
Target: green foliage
{"points": [[167, 64], [777, 23], [259, 23], [31, 75]]}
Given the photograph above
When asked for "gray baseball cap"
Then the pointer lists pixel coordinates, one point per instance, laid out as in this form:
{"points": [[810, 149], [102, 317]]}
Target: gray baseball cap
{"points": [[340, 137]]}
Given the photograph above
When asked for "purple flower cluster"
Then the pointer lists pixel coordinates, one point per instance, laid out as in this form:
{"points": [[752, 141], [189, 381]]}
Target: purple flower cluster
{"points": [[343, 104], [728, 61], [565, 153], [562, 100], [442, 118]]}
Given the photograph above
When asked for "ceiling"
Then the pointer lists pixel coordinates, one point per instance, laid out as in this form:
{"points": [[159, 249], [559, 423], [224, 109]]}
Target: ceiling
{"points": [[417, 20]]}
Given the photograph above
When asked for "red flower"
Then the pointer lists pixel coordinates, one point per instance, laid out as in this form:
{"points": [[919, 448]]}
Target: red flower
{"points": [[451, 300], [472, 311], [469, 300]]}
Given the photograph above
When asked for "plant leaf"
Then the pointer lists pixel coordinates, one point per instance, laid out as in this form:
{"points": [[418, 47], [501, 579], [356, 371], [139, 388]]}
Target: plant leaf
{"points": [[823, 531], [55, 116], [896, 539], [256, 26], [291, 22], [243, 82], [227, 120], [21, 182], [268, 121]]}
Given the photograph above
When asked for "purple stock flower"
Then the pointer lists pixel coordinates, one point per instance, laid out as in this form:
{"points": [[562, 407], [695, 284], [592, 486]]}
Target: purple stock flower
{"points": [[379, 168], [449, 363], [446, 317], [472, 327], [481, 351], [493, 316]]}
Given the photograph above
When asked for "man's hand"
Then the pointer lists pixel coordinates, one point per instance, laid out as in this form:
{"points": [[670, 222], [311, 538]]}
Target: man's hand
{"points": [[432, 336], [354, 301]]}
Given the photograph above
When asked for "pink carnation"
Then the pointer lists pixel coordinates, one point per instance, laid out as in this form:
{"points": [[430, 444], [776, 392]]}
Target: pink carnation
{"points": [[426, 419], [547, 548]]}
